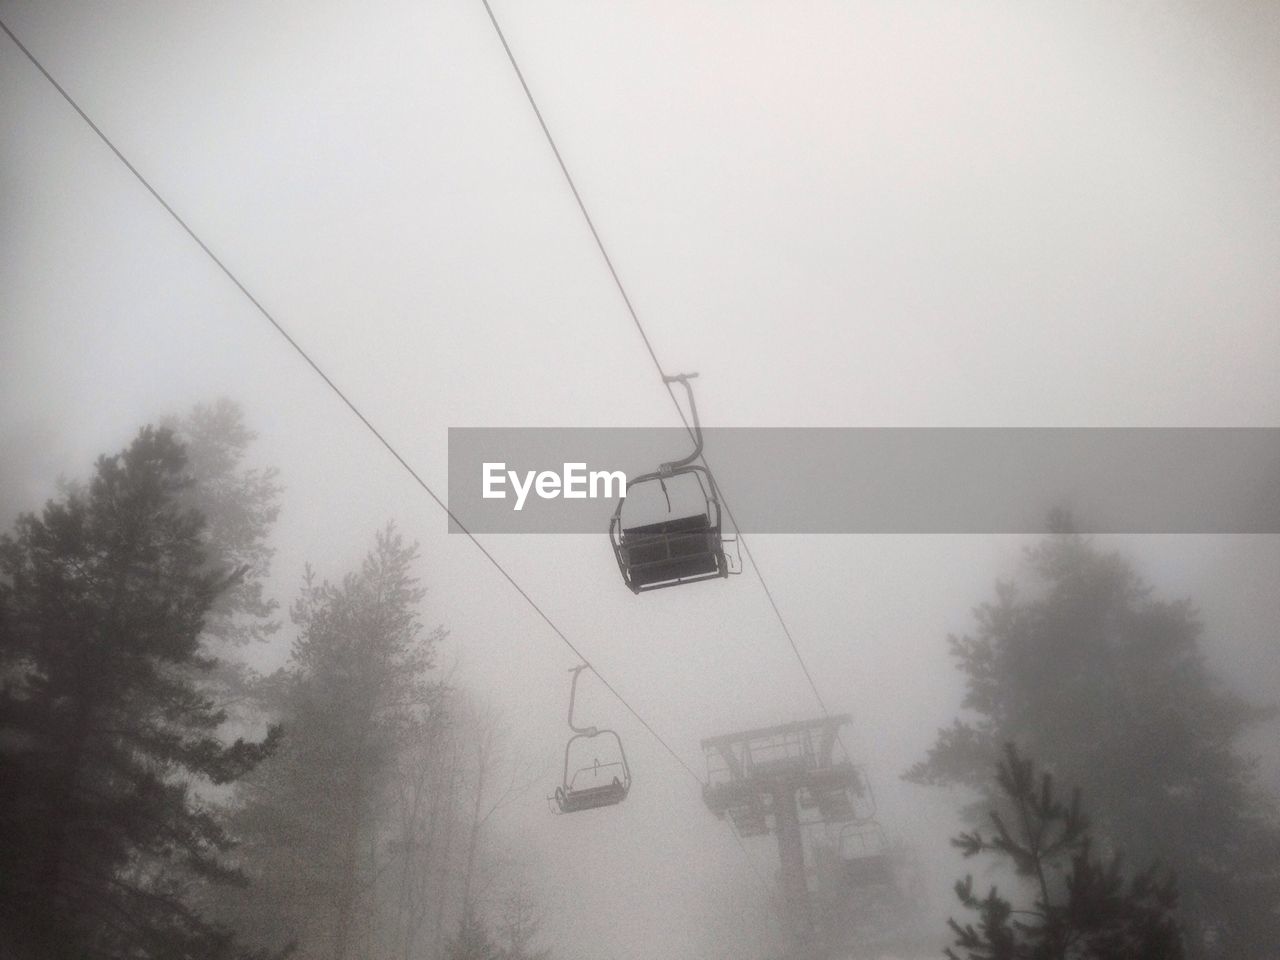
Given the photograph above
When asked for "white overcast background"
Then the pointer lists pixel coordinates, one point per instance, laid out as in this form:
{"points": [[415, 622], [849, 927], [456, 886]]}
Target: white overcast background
{"points": [[839, 213]]}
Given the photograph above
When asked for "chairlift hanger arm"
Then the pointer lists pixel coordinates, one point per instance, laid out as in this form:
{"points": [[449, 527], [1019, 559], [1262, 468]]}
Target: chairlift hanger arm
{"points": [[667, 468], [573, 695]]}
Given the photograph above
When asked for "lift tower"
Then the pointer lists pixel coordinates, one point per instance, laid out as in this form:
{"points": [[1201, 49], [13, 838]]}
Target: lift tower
{"points": [[774, 779]]}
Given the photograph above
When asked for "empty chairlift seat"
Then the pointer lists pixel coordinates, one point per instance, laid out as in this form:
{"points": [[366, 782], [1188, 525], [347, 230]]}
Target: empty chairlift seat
{"points": [[670, 552], [591, 784], [864, 850], [683, 548], [605, 785]]}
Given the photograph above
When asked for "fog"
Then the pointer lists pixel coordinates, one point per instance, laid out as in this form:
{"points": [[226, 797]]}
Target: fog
{"points": [[840, 215]]}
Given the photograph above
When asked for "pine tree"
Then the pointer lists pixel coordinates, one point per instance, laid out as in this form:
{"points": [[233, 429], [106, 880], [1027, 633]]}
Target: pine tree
{"points": [[103, 600], [239, 505], [1083, 909], [355, 695], [1106, 685]]}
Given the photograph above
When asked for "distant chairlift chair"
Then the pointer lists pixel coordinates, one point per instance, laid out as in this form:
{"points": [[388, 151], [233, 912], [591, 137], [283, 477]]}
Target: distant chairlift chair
{"points": [[595, 784], [677, 550], [864, 852]]}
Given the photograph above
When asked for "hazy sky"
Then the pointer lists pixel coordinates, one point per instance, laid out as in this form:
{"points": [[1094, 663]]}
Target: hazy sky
{"points": [[840, 213]]}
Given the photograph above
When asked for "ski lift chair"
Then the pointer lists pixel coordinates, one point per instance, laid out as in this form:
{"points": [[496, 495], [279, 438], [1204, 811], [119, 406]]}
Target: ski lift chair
{"points": [[864, 850], [676, 550], [595, 784]]}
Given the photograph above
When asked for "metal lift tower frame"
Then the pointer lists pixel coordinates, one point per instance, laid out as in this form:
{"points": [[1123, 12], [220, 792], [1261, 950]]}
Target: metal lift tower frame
{"points": [[776, 779]]}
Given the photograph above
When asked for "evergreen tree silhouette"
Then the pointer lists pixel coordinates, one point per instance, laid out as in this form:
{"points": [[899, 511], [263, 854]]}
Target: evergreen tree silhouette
{"points": [[1083, 908], [106, 727]]}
